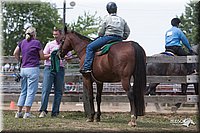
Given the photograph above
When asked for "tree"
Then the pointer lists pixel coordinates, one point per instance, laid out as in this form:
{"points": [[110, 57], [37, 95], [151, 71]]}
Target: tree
{"points": [[43, 16], [190, 22], [86, 25], [198, 20]]}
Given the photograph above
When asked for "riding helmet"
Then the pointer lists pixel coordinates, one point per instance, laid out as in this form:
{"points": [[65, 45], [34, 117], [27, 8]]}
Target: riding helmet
{"points": [[175, 21], [111, 7]]}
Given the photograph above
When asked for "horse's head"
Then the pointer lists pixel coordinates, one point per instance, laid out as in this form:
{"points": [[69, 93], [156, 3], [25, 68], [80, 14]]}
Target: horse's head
{"points": [[66, 44], [73, 41]]}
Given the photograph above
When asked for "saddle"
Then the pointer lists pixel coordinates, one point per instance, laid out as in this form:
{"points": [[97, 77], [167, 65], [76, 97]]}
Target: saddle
{"points": [[103, 50], [169, 53], [191, 69]]}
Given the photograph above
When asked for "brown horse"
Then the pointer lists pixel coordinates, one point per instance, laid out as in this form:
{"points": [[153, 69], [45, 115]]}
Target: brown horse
{"points": [[124, 60]]}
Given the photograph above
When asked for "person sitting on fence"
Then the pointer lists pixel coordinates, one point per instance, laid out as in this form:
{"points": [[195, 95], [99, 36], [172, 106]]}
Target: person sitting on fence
{"points": [[31, 51], [113, 28], [173, 38]]}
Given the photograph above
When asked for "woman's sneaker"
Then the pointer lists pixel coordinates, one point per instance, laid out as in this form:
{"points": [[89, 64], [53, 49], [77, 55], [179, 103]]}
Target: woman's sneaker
{"points": [[28, 115], [19, 115], [42, 114]]}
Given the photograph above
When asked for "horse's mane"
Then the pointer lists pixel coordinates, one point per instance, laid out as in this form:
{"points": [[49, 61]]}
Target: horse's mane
{"points": [[82, 36]]}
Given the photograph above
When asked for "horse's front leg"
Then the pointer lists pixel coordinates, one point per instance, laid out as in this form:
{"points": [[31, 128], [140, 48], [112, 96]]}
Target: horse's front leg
{"points": [[98, 99], [89, 100]]}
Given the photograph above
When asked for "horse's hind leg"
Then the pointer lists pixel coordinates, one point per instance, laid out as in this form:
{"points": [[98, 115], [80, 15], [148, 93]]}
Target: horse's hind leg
{"points": [[132, 105], [184, 89], [196, 88], [127, 87], [98, 99], [151, 89]]}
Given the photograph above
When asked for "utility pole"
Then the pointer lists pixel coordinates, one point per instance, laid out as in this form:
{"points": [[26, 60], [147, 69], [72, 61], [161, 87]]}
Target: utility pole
{"points": [[64, 12], [72, 4]]}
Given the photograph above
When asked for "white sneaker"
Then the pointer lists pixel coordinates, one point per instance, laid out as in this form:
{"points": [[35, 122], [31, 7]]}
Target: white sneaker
{"points": [[28, 115], [19, 115], [42, 114]]}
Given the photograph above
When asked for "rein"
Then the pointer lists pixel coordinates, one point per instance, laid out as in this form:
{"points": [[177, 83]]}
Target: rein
{"points": [[72, 56], [78, 52]]}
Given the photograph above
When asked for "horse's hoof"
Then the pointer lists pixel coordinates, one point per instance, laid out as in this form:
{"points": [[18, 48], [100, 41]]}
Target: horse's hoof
{"points": [[132, 124], [89, 120], [97, 120], [174, 109]]}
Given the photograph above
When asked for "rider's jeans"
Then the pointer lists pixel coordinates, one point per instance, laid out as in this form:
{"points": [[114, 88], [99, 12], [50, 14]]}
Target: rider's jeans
{"points": [[56, 79], [93, 46]]}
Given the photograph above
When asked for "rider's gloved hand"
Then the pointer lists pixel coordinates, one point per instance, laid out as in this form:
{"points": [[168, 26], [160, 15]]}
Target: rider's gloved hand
{"points": [[191, 52]]}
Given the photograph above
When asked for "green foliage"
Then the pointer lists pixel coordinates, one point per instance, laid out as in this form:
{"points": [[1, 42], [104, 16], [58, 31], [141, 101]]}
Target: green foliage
{"points": [[86, 25], [190, 22], [198, 20], [43, 16]]}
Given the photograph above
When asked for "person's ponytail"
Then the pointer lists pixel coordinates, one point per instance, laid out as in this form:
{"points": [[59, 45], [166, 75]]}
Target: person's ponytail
{"points": [[28, 37], [30, 33]]}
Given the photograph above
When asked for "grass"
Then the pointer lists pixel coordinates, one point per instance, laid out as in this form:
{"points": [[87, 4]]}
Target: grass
{"points": [[110, 122]]}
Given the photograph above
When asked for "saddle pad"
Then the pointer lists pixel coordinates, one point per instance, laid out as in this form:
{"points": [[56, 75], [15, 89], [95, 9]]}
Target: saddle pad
{"points": [[168, 53], [103, 50]]}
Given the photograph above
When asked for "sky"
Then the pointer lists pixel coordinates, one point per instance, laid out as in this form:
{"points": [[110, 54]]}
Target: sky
{"points": [[148, 19]]}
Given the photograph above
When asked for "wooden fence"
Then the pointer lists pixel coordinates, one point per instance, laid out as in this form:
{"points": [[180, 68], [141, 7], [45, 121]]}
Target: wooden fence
{"points": [[11, 89]]}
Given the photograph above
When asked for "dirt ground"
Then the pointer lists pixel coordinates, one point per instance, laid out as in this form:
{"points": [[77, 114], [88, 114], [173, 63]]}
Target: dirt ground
{"points": [[111, 107]]}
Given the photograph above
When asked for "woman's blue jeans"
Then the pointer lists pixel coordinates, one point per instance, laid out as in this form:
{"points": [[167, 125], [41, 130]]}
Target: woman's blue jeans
{"points": [[52, 78], [93, 46], [29, 85]]}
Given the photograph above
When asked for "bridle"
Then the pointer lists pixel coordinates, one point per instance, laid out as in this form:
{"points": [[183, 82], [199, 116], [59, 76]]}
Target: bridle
{"points": [[60, 50]]}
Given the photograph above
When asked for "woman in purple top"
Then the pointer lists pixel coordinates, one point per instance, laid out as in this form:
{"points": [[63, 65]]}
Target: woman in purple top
{"points": [[31, 52]]}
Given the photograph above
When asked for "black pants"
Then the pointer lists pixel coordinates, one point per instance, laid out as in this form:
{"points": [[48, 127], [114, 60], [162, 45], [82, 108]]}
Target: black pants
{"points": [[177, 50]]}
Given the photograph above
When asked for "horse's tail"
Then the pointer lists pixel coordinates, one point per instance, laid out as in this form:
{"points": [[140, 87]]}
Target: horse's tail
{"points": [[139, 75]]}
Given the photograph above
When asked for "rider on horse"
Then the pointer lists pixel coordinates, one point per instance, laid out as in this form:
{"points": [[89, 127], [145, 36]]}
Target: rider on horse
{"points": [[172, 43], [113, 28], [173, 37]]}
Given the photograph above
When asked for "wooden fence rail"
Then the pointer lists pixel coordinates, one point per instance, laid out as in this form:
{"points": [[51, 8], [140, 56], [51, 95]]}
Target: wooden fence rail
{"points": [[113, 98], [72, 74], [72, 69]]}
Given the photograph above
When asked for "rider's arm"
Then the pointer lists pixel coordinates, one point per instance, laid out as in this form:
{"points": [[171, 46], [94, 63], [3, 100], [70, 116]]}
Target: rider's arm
{"points": [[126, 31], [185, 40], [102, 30]]}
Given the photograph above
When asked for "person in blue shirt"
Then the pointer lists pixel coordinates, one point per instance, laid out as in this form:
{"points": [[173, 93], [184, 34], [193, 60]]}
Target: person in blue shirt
{"points": [[174, 37]]}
